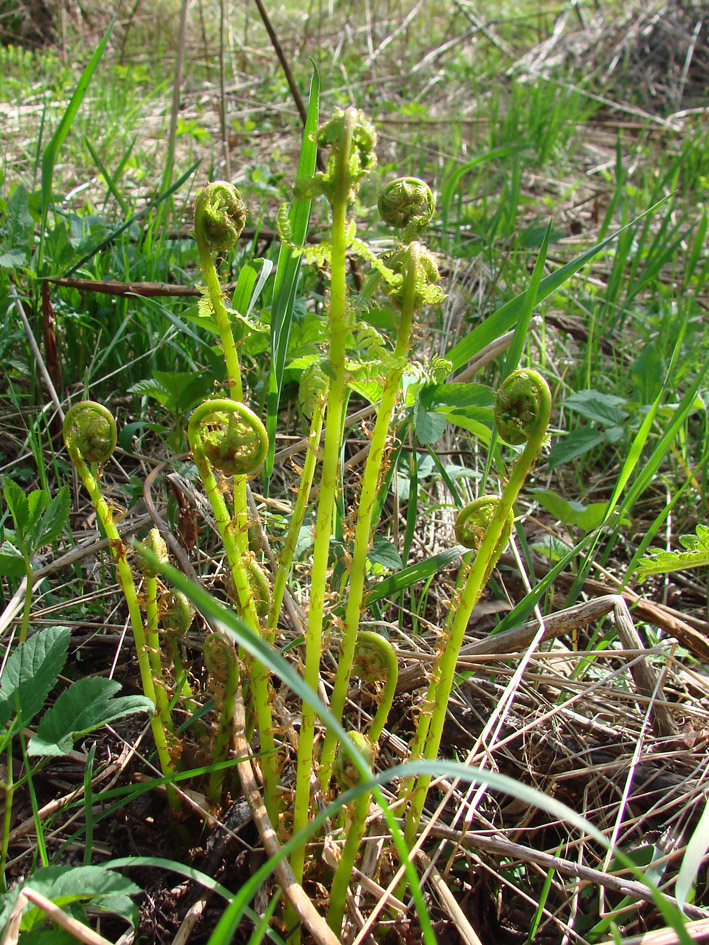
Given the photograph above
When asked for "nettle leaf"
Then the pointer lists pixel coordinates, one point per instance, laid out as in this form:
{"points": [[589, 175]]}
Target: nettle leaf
{"points": [[31, 673], [18, 504], [595, 405], [12, 564], [385, 554], [429, 425], [51, 525], [695, 555], [577, 443], [82, 708], [105, 889]]}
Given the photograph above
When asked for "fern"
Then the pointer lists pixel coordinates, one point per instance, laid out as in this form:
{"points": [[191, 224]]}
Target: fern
{"points": [[695, 555]]}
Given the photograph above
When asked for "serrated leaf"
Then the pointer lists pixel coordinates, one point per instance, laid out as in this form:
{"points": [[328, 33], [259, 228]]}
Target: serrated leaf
{"points": [[12, 564], [106, 889], [18, 504], [37, 501], [31, 672], [429, 425], [384, 553], [86, 705], [695, 555], [595, 405], [51, 525], [577, 443]]}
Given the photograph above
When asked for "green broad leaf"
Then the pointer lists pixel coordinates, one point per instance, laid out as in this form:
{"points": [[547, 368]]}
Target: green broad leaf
{"points": [[19, 225], [577, 443], [37, 501], [563, 510], [18, 504], [695, 555], [385, 554], [86, 705], [12, 564], [13, 258], [459, 397], [31, 673], [429, 425], [568, 512], [106, 890], [594, 405], [53, 520]]}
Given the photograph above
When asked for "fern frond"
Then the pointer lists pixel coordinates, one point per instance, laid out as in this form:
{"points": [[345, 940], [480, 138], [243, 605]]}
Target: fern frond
{"points": [[695, 555]]}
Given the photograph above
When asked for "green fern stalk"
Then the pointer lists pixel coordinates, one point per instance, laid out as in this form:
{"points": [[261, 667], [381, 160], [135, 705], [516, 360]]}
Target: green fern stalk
{"points": [[522, 411], [345, 134], [90, 437], [365, 513], [230, 436]]}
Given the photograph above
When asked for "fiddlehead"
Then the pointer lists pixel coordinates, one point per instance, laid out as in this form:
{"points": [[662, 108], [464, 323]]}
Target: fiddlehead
{"points": [[375, 661], [473, 521], [522, 407], [177, 613], [346, 774], [219, 217], [90, 432], [351, 139], [229, 435], [408, 204], [155, 544]]}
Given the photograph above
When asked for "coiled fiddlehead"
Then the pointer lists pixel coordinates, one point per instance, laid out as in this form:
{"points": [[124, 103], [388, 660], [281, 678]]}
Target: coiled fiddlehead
{"points": [[346, 774], [413, 262], [90, 437], [90, 432], [408, 204], [375, 661], [522, 407], [219, 217], [177, 613], [473, 521], [230, 435]]}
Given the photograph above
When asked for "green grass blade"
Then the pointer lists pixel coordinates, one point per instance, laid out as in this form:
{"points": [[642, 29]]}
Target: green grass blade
{"points": [[114, 234], [530, 297], [452, 184], [105, 173], [49, 157], [505, 317], [287, 272], [421, 571]]}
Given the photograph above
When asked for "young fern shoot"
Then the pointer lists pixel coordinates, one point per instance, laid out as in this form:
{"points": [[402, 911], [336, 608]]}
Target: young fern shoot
{"points": [[90, 438], [522, 412], [351, 140], [406, 203]]}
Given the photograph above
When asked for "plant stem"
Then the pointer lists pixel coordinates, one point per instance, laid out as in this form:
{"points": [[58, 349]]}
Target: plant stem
{"points": [[370, 484], [328, 489], [435, 707], [301, 503], [259, 675], [161, 724]]}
